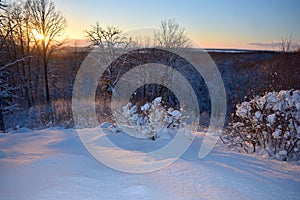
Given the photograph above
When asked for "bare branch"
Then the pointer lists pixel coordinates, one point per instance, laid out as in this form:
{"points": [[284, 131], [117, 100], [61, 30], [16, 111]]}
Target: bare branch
{"points": [[171, 35]]}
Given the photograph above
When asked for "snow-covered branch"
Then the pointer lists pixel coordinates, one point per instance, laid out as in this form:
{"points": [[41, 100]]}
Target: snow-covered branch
{"points": [[269, 124], [148, 119], [14, 62]]}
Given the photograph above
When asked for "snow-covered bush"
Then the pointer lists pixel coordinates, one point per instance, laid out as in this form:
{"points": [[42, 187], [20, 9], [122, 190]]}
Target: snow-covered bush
{"points": [[147, 120], [270, 124]]}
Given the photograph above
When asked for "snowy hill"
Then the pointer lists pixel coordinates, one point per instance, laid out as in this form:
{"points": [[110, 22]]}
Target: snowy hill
{"points": [[53, 164]]}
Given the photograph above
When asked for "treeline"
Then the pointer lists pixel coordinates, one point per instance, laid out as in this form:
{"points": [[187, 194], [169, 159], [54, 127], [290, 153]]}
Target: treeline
{"points": [[246, 75], [37, 72], [29, 33]]}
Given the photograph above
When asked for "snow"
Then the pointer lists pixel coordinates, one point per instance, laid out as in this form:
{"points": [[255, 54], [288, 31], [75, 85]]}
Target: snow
{"points": [[53, 164], [145, 107], [269, 122], [105, 125], [258, 114], [175, 113], [157, 100], [147, 120], [271, 118], [276, 134]]}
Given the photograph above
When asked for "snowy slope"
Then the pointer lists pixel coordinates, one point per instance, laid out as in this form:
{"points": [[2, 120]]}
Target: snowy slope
{"points": [[53, 164]]}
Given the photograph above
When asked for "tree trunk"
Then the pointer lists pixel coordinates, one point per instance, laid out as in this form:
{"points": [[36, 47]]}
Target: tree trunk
{"points": [[45, 63], [2, 125], [46, 82]]}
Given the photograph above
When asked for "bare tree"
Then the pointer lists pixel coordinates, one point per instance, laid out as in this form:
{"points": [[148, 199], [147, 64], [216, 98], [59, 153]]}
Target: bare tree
{"points": [[111, 43], [47, 24], [20, 46], [7, 91], [286, 44], [283, 74], [171, 35], [109, 40]]}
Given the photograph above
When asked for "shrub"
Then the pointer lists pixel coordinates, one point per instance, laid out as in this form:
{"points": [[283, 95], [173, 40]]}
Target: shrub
{"points": [[269, 123], [148, 120]]}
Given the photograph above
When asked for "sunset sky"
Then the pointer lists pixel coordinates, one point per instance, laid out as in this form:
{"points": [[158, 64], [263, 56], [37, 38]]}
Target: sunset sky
{"points": [[247, 24]]}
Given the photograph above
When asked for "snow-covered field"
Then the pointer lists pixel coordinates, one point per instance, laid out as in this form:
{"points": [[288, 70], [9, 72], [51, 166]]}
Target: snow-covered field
{"points": [[54, 164]]}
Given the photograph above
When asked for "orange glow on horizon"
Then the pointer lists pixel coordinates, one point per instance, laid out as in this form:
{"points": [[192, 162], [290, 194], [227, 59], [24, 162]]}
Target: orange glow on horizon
{"points": [[213, 40]]}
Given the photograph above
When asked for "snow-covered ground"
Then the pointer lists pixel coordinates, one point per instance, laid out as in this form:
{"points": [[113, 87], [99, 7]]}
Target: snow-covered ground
{"points": [[54, 164]]}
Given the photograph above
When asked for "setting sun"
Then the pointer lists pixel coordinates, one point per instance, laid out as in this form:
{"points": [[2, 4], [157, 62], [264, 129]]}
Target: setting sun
{"points": [[37, 35], [164, 100]]}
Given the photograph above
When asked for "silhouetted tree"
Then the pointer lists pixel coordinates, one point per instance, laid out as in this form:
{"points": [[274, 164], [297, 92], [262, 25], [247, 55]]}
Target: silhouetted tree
{"points": [[171, 35], [48, 25]]}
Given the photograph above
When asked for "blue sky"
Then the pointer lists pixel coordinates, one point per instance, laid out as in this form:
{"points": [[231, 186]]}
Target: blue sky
{"points": [[212, 23]]}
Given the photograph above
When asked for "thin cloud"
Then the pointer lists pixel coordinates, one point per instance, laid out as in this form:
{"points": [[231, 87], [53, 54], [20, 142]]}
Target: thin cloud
{"points": [[268, 45], [274, 45]]}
